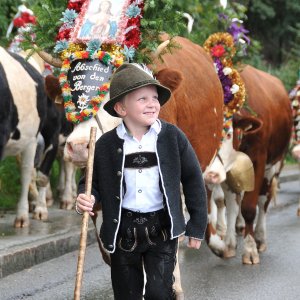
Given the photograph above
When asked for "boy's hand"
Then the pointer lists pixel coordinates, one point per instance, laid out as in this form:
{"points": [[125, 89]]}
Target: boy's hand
{"points": [[194, 243], [84, 203]]}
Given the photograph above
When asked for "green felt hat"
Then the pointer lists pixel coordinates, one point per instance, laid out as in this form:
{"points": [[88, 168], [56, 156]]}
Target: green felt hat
{"points": [[129, 77]]}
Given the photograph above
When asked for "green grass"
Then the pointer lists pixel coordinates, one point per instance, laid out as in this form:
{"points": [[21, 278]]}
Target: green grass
{"points": [[10, 185]]}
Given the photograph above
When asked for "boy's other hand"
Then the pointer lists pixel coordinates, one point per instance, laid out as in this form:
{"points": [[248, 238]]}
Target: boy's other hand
{"points": [[85, 203], [194, 243]]}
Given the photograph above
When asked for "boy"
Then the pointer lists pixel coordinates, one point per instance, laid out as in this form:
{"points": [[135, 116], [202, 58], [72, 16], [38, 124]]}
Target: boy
{"points": [[138, 168]]}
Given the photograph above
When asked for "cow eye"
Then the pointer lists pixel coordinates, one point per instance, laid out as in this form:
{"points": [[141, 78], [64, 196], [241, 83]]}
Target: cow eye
{"points": [[228, 136]]}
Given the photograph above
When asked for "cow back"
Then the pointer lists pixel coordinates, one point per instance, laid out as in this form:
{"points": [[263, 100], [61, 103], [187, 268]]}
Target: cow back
{"points": [[268, 99], [197, 104], [23, 103]]}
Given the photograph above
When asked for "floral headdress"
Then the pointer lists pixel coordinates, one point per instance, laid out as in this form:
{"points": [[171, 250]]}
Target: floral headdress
{"points": [[220, 46], [110, 51]]}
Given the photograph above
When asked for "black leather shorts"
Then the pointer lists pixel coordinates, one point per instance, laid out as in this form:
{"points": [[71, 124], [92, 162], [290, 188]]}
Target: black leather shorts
{"points": [[143, 229]]}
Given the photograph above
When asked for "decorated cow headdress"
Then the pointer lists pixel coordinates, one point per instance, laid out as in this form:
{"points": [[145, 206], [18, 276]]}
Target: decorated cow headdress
{"points": [[94, 38]]}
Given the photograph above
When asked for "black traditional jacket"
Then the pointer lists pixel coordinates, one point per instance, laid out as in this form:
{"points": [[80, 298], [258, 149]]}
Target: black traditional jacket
{"points": [[177, 163]]}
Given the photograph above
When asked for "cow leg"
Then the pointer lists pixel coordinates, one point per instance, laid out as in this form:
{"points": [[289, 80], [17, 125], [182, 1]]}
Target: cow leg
{"points": [[298, 210], [265, 198], [240, 222], [67, 199], [33, 191], [61, 178], [248, 208], [232, 208], [260, 228], [40, 211], [177, 283], [214, 241], [27, 165], [49, 195], [218, 196]]}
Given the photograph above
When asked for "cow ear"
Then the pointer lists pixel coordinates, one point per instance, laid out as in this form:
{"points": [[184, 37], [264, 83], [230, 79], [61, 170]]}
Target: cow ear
{"points": [[249, 125], [53, 89], [169, 78]]}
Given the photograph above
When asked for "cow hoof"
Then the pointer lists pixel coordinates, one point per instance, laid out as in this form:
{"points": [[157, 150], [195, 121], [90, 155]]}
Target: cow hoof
{"points": [[21, 222], [40, 215], [298, 212], [250, 260], [66, 205], [240, 230], [49, 202], [262, 247], [180, 296], [228, 253]]}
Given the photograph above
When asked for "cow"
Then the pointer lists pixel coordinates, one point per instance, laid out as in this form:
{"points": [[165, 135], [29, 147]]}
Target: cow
{"points": [[23, 112], [264, 132], [295, 98]]}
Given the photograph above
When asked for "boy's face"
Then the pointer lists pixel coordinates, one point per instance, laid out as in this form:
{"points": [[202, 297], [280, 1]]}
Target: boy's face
{"points": [[140, 107]]}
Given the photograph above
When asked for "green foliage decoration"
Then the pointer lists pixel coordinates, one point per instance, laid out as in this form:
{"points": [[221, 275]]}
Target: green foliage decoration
{"points": [[159, 17], [48, 13]]}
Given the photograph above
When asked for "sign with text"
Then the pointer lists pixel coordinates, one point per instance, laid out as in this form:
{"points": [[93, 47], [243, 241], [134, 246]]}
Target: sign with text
{"points": [[85, 77]]}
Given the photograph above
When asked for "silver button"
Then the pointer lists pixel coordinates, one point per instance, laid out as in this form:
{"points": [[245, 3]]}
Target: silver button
{"points": [[117, 197], [140, 171], [110, 246], [115, 221], [139, 191], [140, 146], [119, 150], [119, 173]]}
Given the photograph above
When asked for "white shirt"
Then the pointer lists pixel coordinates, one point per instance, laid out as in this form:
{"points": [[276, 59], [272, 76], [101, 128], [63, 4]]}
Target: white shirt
{"points": [[142, 185]]}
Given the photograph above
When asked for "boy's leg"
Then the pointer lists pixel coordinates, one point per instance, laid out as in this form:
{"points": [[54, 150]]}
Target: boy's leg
{"points": [[127, 275], [159, 263]]}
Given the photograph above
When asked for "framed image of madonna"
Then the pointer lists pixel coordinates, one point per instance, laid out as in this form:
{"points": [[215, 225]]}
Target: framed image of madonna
{"points": [[100, 20]]}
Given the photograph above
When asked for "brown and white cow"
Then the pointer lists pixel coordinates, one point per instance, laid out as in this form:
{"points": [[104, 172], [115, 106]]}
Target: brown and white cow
{"points": [[265, 139]]}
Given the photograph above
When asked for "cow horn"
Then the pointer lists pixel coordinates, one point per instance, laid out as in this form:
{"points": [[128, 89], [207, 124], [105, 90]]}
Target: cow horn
{"points": [[160, 48], [48, 58]]}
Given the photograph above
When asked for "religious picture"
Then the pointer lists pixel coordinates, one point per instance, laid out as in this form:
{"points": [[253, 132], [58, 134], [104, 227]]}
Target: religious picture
{"points": [[99, 20]]}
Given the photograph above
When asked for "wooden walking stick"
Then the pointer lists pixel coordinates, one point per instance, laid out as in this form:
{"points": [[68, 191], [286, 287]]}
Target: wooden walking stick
{"points": [[85, 217]]}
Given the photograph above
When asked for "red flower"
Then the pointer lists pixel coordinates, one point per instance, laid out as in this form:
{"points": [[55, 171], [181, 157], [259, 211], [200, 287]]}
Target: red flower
{"points": [[19, 22], [76, 5], [28, 18], [63, 34], [133, 38], [218, 50], [85, 55], [134, 21]]}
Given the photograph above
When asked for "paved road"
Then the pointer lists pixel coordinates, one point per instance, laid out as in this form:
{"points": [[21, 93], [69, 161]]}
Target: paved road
{"points": [[204, 275]]}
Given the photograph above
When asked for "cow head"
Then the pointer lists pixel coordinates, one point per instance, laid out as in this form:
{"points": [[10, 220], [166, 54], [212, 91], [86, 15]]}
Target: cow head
{"points": [[227, 156], [76, 149]]}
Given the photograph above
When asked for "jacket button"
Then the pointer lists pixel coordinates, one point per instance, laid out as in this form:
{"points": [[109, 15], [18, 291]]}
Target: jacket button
{"points": [[119, 173], [110, 246], [119, 150], [115, 221], [117, 197]]}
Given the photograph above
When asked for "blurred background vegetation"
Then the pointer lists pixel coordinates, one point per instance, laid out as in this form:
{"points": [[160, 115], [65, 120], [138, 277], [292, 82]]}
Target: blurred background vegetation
{"points": [[273, 25]]}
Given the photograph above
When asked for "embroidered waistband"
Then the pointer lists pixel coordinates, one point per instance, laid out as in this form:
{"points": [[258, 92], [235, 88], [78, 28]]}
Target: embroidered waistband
{"points": [[139, 160]]}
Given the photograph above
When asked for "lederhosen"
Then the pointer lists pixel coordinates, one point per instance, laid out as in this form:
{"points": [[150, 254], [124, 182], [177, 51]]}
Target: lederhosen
{"points": [[143, 240]]}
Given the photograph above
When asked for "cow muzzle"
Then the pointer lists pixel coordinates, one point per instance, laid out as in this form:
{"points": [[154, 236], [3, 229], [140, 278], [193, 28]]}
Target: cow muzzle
{"points": [[77, 153]]}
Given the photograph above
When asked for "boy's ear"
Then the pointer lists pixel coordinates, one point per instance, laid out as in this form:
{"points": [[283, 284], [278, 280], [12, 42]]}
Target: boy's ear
{"points": [[119, 108]]}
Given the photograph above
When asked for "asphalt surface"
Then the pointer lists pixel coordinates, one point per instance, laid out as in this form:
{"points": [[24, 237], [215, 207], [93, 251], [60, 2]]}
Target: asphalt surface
{"points": [[44, 240]]}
